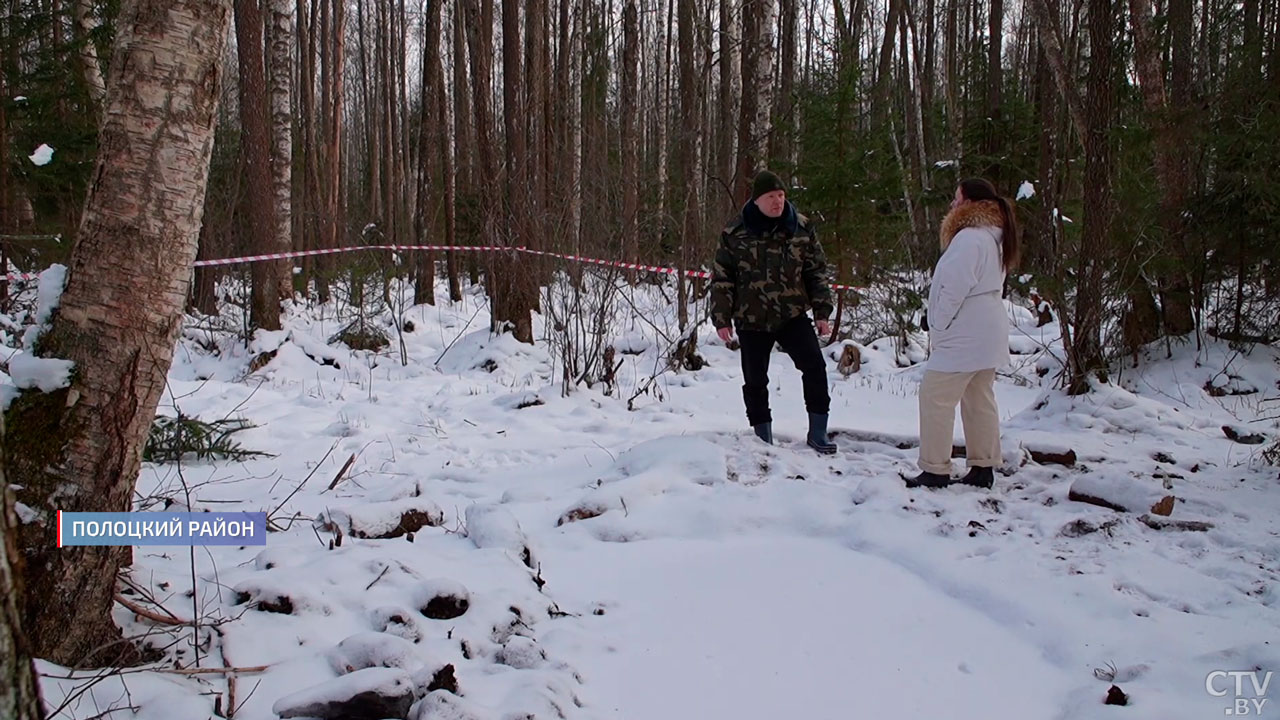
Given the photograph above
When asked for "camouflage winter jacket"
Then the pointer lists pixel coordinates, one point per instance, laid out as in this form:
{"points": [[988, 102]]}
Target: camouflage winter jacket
{"points": [[768, 272]]}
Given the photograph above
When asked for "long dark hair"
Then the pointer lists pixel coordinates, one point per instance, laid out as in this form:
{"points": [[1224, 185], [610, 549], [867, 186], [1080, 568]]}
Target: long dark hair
{"points": [[976, 189]]}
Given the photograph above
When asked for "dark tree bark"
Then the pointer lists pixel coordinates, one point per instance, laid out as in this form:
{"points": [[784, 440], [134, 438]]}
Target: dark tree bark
{"points": [[1172, 170], [630, 143], [260, 223], [433, 197], [690, 142], [511, 289], [19, 694], [995, 78], [1099, 197], [781, 145], [463, 145]]}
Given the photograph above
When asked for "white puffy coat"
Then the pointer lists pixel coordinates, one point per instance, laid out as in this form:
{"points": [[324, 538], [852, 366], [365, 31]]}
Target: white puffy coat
{"points": [[968, 324]]}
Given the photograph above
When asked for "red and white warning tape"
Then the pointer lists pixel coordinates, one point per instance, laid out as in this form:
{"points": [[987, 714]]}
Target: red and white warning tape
{"points": [[330, 251], [617, 264], [443, 248]]}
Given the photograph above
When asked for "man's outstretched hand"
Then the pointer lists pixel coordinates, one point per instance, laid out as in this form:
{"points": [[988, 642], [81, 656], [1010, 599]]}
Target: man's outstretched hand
{"points": [[725, 333], [824, 327]]}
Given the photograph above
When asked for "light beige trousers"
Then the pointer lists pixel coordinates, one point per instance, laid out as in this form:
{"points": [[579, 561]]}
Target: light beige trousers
{"points": [[975, 392]]}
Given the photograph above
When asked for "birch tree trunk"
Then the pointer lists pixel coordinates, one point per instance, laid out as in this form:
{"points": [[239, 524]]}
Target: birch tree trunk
{"points": [[80, 448], [90, 67], [730, 103], [281, 79], [757, 67]]}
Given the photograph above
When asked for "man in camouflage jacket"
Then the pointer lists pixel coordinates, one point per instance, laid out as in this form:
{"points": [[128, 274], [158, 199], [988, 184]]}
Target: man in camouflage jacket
{"points": [[769, 272]]}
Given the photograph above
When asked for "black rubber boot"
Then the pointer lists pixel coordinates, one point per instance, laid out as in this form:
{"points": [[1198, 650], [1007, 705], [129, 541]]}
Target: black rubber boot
{"points": [[982, 477], [764, 431], [929, 480], [818, 435]]}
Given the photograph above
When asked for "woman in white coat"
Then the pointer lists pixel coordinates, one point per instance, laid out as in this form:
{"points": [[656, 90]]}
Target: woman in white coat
{"points": [[968, 336]]}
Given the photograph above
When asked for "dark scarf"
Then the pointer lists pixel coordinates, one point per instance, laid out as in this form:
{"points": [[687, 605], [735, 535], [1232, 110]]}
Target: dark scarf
{"points": [[757, 223]]}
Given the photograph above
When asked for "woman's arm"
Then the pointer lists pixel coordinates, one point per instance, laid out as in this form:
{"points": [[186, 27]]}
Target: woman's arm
{"points": [[954, 277]]}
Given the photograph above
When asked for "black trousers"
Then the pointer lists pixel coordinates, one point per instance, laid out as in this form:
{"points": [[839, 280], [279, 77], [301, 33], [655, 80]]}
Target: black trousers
{"points": [[798, 340]]}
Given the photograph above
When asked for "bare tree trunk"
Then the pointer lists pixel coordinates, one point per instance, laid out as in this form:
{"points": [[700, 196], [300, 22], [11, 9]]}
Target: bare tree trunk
{"points": [[392, 198], [630, 143], [464, 146], [884, 67], [690, 144], [1274, 46], [281, 76], [781, 144], [950, 61], [575, 131], [450, 192], [19, 694], [1091, 118], [917, 175], [537, 77], [757, 66], [256, 150], [324, 37], [333, 60], [1051, 42], [90, 67], [995, 135], [930, 60], [372, 119], [1044, 252], [1099, 200], [79, 448], [433, 195], [663, 111], [729, 103], [1141, 319], [7, 223], [407, 198], [479, 26], [916, 107], [307, 202], [1171, 166], [595, 128], [513, 288], [1252, 39], [560, 125]]}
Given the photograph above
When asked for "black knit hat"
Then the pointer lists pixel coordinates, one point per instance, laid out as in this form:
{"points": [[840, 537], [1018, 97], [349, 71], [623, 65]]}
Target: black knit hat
{"points": [[766, 182]]}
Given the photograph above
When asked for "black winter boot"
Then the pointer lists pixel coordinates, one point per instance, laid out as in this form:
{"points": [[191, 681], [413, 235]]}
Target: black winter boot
{"points": [[929, 480], [982, 477], [817, 438], [764, 431]]}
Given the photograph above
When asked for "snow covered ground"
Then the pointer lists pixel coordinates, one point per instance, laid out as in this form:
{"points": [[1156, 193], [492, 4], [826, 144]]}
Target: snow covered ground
{"points": [[660, 563]]}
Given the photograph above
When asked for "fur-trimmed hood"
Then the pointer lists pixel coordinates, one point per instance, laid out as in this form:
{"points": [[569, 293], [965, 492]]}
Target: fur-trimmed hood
{"points": [[981, 213]]}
